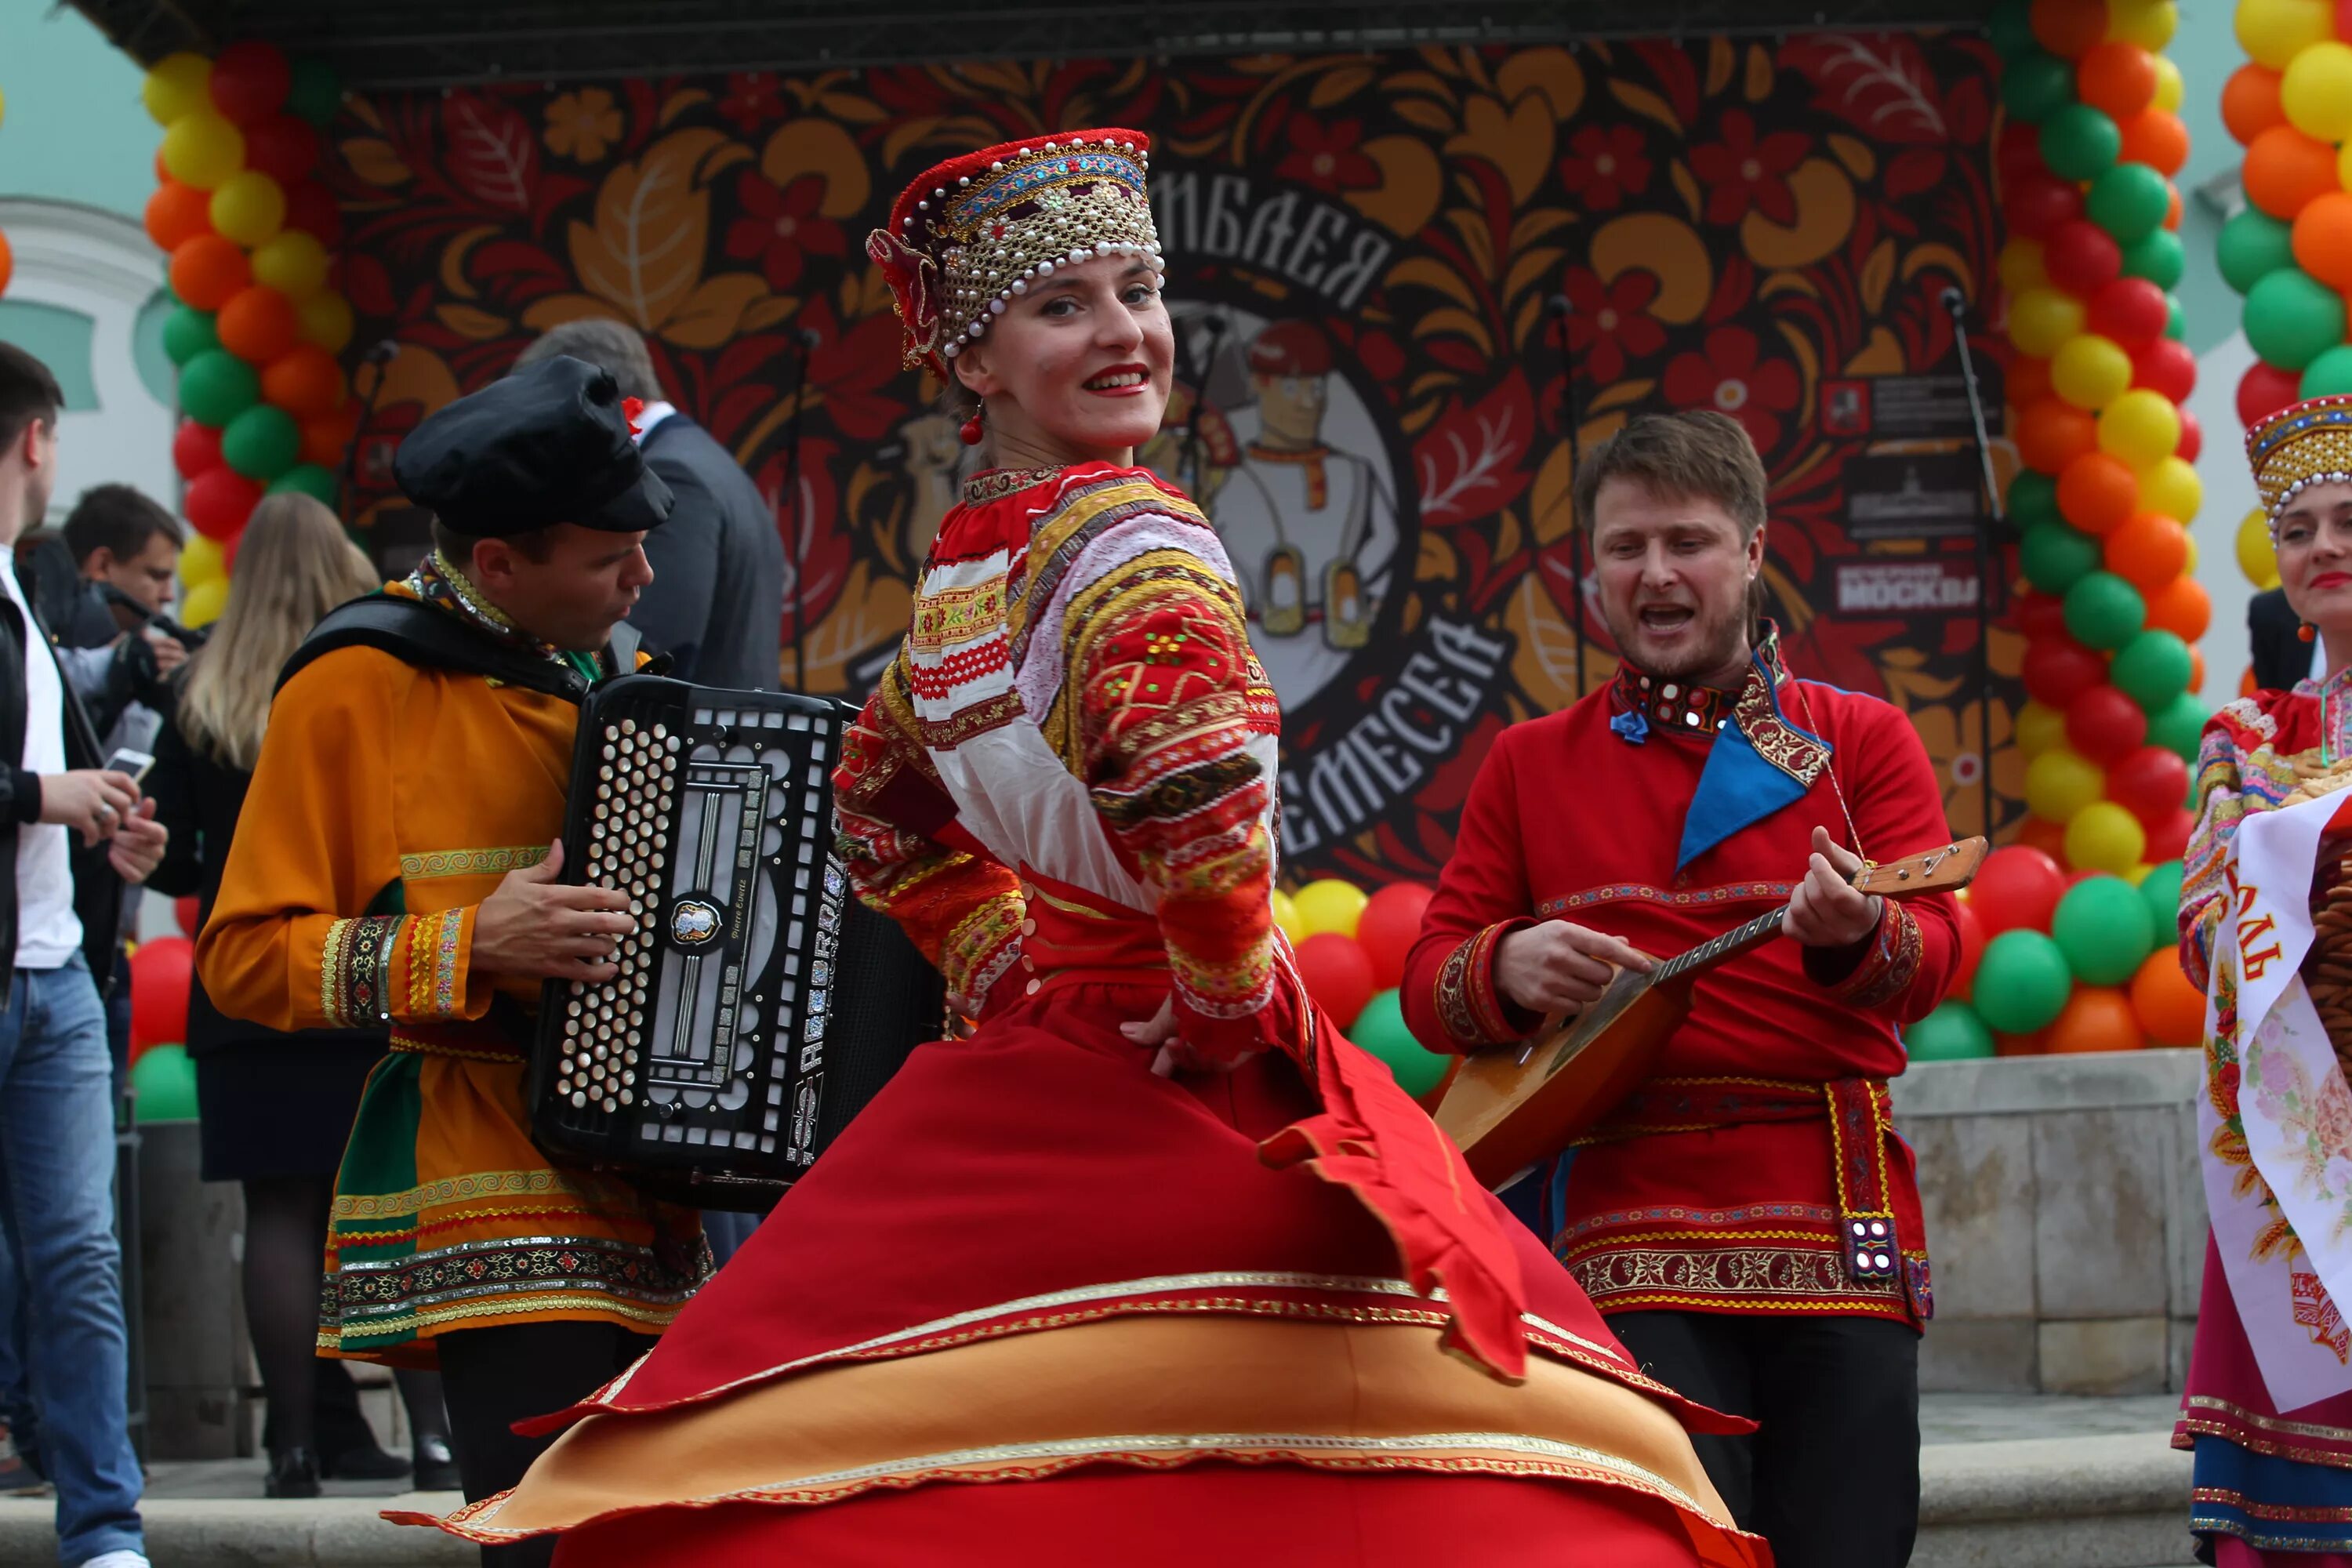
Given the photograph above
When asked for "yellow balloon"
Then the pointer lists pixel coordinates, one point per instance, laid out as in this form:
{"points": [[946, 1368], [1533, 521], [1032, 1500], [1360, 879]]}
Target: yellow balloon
{"points": [[2104, 837], [2020, 266], [249, 208], [177, 86], [2274, 31], [2149, 24], [2139, 873], [2316, 92], [2171, 487], [2061, 781], [1286, 917], [2344, 165], [2188, 567], [326, 320], [2039, 729], [202, 605], [290, 261], [2141, 426], [2170, 89], [203, 150], [2090, 371], [2041, 319], [2257, 556], [1329, 905], [201, 561]]}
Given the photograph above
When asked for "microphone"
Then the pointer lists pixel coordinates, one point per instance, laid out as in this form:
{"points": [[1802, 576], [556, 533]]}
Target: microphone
{"points": [[807, 337], [1557, 304], [1956, 302], [383, 353]]}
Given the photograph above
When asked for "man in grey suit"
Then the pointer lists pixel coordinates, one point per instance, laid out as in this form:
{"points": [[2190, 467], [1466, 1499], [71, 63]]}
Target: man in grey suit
{"points": [[716, 603]]}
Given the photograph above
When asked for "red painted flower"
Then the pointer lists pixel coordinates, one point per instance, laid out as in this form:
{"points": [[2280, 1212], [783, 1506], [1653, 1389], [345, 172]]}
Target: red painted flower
{"points": [[1608, 323], [1743, 172], [781, 227], [1729, 379], [1327, 156], [752, 101], [1605, 164]]}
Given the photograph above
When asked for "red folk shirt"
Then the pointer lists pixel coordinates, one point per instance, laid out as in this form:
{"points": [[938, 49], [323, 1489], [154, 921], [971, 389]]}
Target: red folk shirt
{"points": [[1736, 1180]]}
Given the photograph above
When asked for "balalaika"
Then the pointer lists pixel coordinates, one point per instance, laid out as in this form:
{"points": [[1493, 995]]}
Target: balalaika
{"points": [[759, 1004]]}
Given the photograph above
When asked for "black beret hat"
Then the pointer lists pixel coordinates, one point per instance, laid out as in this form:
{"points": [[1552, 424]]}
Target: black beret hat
{"points": [[546, 445]]}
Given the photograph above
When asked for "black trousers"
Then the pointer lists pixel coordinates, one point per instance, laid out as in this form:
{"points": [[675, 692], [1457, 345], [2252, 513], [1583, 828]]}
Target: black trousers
{"points": [[1831, 1478], [492, 1378]]}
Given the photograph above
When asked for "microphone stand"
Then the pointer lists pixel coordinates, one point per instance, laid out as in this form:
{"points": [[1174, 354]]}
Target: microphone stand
{"points": [[379, 356], [1560, 309], [803, 341], [1980, 538], [1190, 461]]}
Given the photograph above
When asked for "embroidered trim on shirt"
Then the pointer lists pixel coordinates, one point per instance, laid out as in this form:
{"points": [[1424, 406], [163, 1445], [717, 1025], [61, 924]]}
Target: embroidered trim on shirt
{"points": [[1472, 1011], [995, 482], [1676, 898], [352, 970], [1887, 970], [495, 862]]}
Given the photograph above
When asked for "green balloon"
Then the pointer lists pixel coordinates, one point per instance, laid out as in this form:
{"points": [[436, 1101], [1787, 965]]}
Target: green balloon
{"points": [[2129, 200], [2022, 982], [2158, 257], [217, 387], [2080, 143], [2036, 85], [262, 443], [2103, 610], [306, 479], [2011, 29], [2160, 891], [2251, 247], [163, 1085], [315, 94], [2152, 669], [1379, 1028], [2102, 926], [2331, 373], [2292, 318], [2176, 319], [2180, 725], [2033, 499], [2056, 557], [1952, 1033], [187, 333]]}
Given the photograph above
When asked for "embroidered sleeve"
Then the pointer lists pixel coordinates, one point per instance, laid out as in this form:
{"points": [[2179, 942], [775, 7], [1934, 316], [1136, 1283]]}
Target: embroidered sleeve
{"points": [[1449, 998], [962, 909], [1876, 969], [385, 969], [2227, 780]]}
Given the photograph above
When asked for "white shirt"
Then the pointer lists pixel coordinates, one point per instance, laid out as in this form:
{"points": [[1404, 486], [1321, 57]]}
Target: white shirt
{"points": [[2319, 658], [651, 415], [48, 932]]}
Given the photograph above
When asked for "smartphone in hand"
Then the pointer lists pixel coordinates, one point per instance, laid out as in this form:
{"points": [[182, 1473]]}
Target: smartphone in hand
{"points": [[135, 764]]}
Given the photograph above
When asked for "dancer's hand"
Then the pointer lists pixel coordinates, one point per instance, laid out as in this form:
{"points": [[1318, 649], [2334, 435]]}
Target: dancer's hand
{"points": [[1175, 1056]]}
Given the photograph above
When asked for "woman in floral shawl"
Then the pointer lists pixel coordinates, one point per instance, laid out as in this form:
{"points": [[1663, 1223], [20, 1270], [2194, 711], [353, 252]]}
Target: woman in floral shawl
{"points": [[2266, 926]]}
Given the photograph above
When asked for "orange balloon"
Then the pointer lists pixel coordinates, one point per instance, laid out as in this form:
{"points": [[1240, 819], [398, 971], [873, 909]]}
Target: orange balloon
{"points": [[2148, 551], [2097, 493], [2116, 79], [2033, 1044], [2250, 102], [305, 381], [2323, 239], [2196, 669], [207, 270], [2029, 381], [2050, 837], [2097, 1018], [176, 213], [2181, 607], [2172, 207], [2246, 687], [325, 438], [2156, 138], [2285, 169], [2053, 433], [2171, 1011], [2069, 28], [8, 263], [258, 324]]}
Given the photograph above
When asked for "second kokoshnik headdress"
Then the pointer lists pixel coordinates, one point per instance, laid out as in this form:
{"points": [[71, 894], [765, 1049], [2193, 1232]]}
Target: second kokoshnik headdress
{"points": [[2302, 445]]}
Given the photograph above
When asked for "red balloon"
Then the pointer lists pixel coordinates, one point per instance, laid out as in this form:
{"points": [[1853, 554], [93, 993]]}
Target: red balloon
{"points": [[1338, 973], [281, 147], [216, 503], [2059, 669], [2169, 840], [2151, 784], [2016, 889], [2131, 310], [2020, 152], [312, 208], [1389, 927], [2105, 725], [2192, 437], [2166, 365], [2036, 207], [160, 973], [249, 81], [1972, 941], [184, 909], [2263, 390], [195, 449], [2081, 258], [2041, 616]]}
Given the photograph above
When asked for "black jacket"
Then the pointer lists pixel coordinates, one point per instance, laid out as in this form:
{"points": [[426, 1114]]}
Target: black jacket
{"points": [[98, 890], [717, 601], [2281, 657]]}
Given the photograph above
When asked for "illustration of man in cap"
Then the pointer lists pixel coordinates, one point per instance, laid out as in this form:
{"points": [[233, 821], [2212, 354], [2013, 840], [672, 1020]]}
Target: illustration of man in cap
{"points": [[395, 866]]}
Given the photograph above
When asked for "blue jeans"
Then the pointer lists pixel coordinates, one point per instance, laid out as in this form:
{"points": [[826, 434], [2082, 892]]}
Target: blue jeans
{"points": [[56, 1217]]}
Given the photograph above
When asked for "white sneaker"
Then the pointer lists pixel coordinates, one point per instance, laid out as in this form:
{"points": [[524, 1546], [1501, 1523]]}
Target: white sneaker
{"points": [[125, 1559]]}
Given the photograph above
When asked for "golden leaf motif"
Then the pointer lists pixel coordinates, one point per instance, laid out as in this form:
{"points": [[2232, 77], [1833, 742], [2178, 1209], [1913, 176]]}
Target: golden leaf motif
{"points": [[1553, 500], [1421, 111], [1881, 355], [1666, 248], [1543, 657], [1551, 72], [1824, 219], [1686, 187], [453, 261], [1435, 560], [1645, 103], [761, 314], [373, 159], [1427, 272], [1338, 86], [905, 134], [677, 103], [711, 314], [1722, 59], [803, 147], [1859, 160], [1517, 141], [653, 222], [872, 614], [1877, 273], [1760, 73], [1618, 395], [1530, 269], [469, 322], [1418, 81], [855, 110], [557, 309], [1465, 323]]}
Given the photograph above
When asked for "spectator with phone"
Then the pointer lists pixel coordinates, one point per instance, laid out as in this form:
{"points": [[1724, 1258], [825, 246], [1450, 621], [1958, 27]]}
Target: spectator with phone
{"points": [[125, 553], [57, 1119], [275, 1109]]}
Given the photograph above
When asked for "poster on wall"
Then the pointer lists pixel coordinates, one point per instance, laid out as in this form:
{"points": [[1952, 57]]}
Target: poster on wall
{"points": [[1375, 383]]}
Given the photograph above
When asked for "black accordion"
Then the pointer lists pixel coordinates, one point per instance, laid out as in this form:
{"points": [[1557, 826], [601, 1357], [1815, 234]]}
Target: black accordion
{"points": [[759, 1004]]}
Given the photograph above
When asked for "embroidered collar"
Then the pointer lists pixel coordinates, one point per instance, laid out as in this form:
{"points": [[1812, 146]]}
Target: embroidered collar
{"points": [[437, 581], [1688, 708], [989, 484]]}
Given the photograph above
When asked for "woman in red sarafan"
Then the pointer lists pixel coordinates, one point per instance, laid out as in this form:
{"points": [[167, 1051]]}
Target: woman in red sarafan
{"points": [[1155, 1267]]}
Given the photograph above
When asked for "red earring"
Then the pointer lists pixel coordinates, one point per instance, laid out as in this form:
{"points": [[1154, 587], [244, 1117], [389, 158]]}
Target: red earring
{"points": [[971, 431], [2305, 632]]}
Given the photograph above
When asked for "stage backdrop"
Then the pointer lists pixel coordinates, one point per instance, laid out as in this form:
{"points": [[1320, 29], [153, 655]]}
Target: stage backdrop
{"points": [[1368, 254]]}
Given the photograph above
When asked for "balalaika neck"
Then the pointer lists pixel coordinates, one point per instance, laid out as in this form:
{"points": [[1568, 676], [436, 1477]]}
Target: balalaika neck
{"points": [[1718, 949]]}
